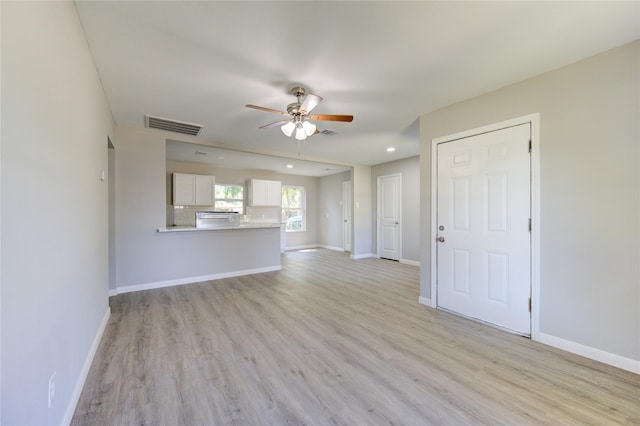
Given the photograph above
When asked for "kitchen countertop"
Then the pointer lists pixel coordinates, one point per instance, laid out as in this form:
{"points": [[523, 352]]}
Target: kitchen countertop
{"points": [[222, 228]]}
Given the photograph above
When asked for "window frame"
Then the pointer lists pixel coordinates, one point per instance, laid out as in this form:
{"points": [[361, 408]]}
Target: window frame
{"points": [[230, 200], [302, 209]]}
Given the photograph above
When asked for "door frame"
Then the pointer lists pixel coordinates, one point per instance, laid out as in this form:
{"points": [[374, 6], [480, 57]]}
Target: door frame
{"points": [[378, 221], [534, 121], [111, 217]]}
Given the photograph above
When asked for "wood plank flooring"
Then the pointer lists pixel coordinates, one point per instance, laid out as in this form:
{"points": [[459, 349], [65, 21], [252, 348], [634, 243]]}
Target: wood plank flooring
{"points": [[332, 341]]}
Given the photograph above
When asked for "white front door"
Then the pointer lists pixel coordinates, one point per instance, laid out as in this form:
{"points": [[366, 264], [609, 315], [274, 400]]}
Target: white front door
{"points": [[389, 217], [483, 213], [346, 215]]}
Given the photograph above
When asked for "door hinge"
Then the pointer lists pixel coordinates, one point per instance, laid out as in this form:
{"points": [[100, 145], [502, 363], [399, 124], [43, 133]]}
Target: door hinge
{"points": [[529, 146], [529, 304], [529, 224]]}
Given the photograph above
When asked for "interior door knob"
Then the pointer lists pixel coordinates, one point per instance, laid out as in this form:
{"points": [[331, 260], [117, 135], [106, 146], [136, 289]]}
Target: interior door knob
{"points": [[440, 239]]}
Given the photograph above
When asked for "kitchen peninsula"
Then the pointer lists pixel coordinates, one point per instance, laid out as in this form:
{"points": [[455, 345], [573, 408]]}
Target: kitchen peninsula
{"points": [[202, 244], [191, 255]]}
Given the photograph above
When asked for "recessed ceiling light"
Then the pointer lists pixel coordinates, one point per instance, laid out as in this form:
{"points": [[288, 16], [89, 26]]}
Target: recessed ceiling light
{"points": [[220, 158], [289, 166], [391, 149]]}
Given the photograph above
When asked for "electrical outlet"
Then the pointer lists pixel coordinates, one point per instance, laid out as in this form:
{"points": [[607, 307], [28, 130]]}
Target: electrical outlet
{"points": [[52, 388]]}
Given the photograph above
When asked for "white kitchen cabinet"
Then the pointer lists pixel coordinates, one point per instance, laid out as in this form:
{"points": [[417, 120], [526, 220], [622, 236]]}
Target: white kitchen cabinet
{"points": [[265, 193], [193, 190]]}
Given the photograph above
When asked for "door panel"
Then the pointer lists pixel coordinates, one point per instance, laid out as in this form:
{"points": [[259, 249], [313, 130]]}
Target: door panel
{"points": [[483, 209], [461, 271], [497, 281], [346, 215], [389, 238], [461, 201], [389, 217]]}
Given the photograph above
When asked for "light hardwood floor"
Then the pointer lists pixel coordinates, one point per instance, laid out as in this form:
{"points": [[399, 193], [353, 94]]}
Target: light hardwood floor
{"points": [[328, 340]]}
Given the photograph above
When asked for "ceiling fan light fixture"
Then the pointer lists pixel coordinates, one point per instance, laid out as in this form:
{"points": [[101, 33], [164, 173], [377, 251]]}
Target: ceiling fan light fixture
{"points": [[309, 128], [300, 133], [298, 115], [288, 128]]}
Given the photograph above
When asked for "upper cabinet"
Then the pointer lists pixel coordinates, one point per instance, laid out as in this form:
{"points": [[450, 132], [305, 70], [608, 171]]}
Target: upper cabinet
{"points": [[193, 190], [265, 193]]}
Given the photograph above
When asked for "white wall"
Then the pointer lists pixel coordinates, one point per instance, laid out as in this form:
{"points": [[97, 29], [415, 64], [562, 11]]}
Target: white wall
{"points": [[409, 168], [362, 243], [54, 270], [590, 162]]}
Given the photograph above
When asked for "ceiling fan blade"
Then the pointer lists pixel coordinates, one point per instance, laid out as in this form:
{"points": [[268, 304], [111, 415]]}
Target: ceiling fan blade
{"points": [[266, 109], [274, 124], [332, 117], [310, 102]]}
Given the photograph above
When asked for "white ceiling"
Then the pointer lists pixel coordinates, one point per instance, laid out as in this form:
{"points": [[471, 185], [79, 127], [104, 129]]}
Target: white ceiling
{"points": [[231, 159], [386, 63]]}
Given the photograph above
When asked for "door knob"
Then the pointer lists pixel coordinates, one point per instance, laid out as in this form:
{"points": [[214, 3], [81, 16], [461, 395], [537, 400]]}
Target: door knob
{"points": [[440, 239]]}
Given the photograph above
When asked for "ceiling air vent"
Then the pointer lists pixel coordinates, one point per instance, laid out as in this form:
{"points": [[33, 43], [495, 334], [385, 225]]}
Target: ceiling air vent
{"points": [[328, 132], [172, 125]]}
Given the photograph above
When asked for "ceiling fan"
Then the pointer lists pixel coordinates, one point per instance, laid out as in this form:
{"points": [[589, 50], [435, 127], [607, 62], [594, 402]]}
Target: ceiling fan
{"points": [[299, 115]]}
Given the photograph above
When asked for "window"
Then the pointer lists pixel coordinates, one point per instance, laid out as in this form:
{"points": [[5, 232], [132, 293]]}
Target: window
{"points": [[229, 198], [294, 208]]}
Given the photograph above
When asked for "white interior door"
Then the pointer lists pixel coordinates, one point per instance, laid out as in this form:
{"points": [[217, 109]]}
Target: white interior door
{"points": [[389, 217], [346, 215], [483, 212]]}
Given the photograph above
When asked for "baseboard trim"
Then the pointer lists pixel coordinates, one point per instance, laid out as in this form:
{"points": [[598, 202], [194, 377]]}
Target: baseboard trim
{"points": [[75, 397], [362, 256], [331, 248], [425, 301], [192, 280], [591, 353], [304, 247], [410, 262]]}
